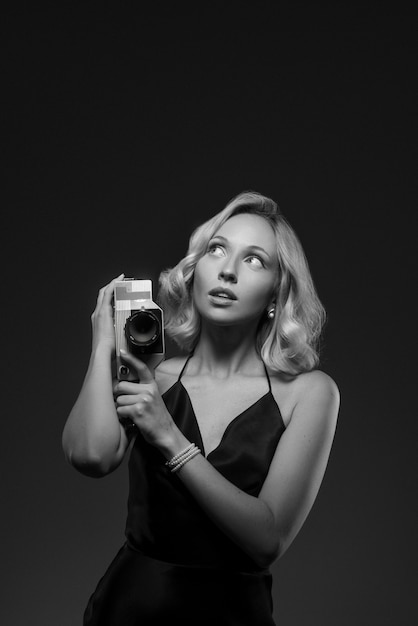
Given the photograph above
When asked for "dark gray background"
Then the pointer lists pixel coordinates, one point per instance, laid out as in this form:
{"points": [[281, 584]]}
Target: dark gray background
{"points": [[125, 126]]}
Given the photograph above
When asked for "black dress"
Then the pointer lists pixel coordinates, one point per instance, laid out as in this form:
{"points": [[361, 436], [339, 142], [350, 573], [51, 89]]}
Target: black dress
{"points": [[176, 565]]}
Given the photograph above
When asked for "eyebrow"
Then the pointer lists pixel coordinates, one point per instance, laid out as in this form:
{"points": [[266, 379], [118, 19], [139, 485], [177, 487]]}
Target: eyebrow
{"points": [[250, 247]]}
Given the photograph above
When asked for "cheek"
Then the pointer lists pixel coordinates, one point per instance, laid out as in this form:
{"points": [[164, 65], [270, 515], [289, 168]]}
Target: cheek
{"points": [[198, 279], [261, 294]]}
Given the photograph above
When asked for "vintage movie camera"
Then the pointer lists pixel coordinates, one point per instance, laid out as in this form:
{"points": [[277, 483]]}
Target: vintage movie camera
{"points": [[139, 325]]}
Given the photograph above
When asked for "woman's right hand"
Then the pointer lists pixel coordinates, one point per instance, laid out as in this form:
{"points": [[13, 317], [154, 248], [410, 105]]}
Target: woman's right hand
{"points": [[102, 318]]}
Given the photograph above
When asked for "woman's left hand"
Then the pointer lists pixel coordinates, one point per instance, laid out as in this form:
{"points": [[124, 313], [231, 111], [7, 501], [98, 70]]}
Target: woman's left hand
{"points": [[142, 403]]}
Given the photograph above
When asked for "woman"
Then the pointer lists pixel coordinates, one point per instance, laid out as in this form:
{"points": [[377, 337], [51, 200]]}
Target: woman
{"points": [[229, 444]]}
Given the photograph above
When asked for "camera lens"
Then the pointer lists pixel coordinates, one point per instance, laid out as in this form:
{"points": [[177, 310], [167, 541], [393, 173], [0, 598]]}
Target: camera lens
{"points": [[142, 328]]}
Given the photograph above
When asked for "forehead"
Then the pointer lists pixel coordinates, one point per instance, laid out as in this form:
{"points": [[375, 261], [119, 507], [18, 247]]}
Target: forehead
{"points": [[249, 230]]}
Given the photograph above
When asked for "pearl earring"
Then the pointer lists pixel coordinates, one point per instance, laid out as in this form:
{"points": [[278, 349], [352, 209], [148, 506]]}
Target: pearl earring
{"points": [[270, 313]]}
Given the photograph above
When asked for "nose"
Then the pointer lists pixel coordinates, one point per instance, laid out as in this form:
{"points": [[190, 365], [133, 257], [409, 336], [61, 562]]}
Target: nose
{"points": [[228, 274]]}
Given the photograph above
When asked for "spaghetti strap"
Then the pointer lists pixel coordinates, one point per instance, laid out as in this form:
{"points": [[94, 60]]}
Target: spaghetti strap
{"points": [[267, 376], [184, 366]]}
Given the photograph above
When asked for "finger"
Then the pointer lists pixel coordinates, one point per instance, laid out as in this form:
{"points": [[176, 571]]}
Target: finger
{"points": [[124, 411], [130, 400], [144, 373], [131, 411], [120, 277], [126, 387], [104, 290], [109, 289], [99, 298]]}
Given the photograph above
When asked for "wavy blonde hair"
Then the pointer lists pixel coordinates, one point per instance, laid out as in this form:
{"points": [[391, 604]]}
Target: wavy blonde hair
{"points": [[289, 342]]}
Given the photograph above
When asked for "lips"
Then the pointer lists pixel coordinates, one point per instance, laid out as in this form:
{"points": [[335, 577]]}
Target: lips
{"points": [[221, 292]]}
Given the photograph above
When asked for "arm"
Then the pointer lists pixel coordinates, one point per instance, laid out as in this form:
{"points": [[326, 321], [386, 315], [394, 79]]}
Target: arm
{"points": [[262, 526], [93, 440], [301, 458]]}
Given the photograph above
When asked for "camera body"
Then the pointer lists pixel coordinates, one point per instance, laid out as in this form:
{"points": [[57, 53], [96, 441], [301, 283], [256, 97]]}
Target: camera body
{"points": [[139, 325]]}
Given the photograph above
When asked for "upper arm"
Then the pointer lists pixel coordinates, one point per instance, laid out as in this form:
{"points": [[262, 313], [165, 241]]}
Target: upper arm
{"points": [[299, 463]]}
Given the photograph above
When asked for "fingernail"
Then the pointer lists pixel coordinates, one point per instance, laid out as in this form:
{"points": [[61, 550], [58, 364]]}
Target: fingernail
{"points": [[122, 351]]}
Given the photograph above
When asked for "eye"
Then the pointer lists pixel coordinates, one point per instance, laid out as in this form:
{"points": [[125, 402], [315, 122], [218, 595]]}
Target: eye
{"points": [[215, 249], [256, 261]]}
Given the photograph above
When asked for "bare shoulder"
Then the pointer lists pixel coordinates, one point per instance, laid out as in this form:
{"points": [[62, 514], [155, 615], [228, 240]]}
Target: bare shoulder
{"points": [[316, 383], [314, 390], [168, 372], [317, 401]]}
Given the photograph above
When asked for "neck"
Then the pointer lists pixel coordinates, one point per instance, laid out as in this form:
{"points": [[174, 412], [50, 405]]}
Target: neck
{"points": [[223, 351]]}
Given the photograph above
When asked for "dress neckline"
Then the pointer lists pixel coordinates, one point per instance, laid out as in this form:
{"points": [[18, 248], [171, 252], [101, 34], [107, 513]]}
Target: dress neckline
{"points": [[230, 426], [233, 423]]}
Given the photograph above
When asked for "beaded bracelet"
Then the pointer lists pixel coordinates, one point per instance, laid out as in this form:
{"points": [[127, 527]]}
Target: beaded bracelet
{"points": [[185, 460], [178, 456], [181, 458]]}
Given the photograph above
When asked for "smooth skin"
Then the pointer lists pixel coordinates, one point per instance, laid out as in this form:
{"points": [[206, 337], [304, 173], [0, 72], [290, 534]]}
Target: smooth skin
{"points": [[224, 377]]}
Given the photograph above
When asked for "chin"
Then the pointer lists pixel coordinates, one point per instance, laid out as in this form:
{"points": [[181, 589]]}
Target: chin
{"points": [[222, 318]]}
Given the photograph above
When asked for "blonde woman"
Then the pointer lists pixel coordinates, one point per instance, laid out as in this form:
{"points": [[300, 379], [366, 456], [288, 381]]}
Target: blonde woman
{"points": [[228, 444]]}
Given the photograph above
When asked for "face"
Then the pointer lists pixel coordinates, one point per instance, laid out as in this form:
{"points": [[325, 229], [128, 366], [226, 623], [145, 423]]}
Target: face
{"points": [[235, 279]]}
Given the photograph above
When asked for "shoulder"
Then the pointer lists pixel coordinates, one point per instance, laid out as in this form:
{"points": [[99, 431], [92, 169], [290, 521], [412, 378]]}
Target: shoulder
{"points": [[168, 372], [309, 392], [317, 400], [316, 383]]}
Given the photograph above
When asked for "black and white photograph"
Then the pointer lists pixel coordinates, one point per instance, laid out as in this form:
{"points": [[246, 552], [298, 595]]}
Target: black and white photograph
{"points": [[209, 314]]}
